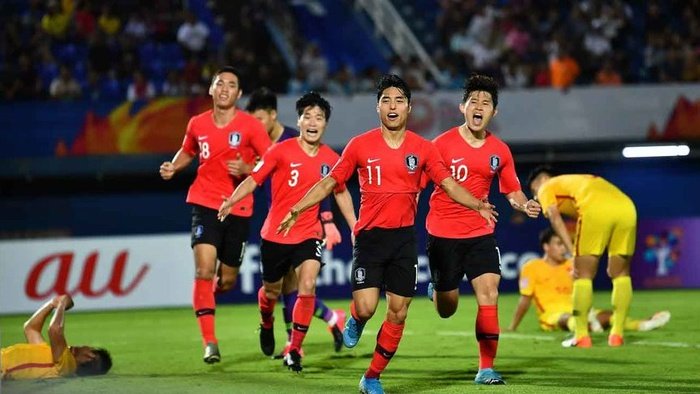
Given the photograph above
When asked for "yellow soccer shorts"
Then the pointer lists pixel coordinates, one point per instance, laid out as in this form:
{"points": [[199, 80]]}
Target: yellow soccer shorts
{"points": [[611, 224]]}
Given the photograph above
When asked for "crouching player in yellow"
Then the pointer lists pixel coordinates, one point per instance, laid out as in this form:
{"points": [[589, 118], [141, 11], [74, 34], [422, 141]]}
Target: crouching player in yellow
{"points": [[549, 283]]}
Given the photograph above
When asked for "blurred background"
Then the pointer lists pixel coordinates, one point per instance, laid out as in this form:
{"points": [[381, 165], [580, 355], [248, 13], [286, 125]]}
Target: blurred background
{"points": [[96, 94]]}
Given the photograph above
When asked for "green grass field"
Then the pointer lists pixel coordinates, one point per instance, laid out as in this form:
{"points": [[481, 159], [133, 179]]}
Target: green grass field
{"points": [[160, 351]]}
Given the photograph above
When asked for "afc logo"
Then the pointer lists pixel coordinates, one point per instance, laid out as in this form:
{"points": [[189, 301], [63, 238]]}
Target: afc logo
{"points": [[325, 169], [360, 276], [234, 139], [411, 162]]}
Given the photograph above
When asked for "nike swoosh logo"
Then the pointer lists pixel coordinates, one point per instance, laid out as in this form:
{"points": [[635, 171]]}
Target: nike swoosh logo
{"points": [[202, 138], [457, 160], [294, 165], [372, 160]]}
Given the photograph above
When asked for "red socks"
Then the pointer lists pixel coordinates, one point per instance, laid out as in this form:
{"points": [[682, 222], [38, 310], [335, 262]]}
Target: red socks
{"points": [[204, 308], [387, 342], [267, 308], [301, 318], [487, 334]]}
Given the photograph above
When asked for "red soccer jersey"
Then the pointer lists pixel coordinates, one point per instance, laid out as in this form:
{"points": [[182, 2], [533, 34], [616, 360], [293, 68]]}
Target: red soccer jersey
{"points": [[216, 146], [293, 172], [389, 178], [473, 168]]}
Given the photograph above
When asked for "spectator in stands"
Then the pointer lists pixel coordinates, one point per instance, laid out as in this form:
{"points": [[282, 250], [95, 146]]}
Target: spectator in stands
{"points": [[109, 23], [173, 85], [297, 83], [85, 22], [607, 75], [136, 27], [193, 35], [515, 74], [56, 21], [564, 70], [140, 88], [315, 67], [65, 86], [23, 83]]}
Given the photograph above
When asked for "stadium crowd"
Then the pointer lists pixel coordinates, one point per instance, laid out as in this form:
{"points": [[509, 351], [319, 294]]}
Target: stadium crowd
{"points": [[96, 49]]}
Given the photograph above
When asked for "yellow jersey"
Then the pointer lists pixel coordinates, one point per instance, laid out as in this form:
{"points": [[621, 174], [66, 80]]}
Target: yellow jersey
{"points": [[34, 361], [606, 218], [550, 286]]}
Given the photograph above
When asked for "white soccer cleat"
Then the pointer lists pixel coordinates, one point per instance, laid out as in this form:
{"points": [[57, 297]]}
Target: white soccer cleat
{"points": [[658, 320]]}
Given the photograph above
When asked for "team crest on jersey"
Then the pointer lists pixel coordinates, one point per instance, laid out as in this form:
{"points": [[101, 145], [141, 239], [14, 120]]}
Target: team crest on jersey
{"points": [[234, 139], [360, 276], [325, 169], [494, 162], [411, 162]]}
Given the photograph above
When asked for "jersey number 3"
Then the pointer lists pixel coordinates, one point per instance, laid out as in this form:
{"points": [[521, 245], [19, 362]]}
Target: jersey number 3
{"points": [[293, 178]]}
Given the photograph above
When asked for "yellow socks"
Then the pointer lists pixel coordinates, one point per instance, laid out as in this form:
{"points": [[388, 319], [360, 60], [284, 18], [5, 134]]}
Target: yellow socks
{"points": [[582, 299], [621, 299]]}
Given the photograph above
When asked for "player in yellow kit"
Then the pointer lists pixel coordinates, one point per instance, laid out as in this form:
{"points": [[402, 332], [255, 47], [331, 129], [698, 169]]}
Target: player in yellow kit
{"points": [[37, 359], [605, 219], [548, 282]]}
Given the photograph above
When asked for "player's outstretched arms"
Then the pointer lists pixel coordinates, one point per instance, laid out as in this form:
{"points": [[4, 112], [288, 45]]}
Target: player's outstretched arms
{"points": [[463, 197], [519, 201], [318, 192], [56, 335], [244, 188], [169, 168]]}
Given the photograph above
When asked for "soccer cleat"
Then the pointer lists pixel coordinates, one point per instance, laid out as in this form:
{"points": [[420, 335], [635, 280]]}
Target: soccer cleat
{"points": [[292, 361], [370, 386], [593, 322], [285, 351], [615, 340], [583, 342], [658, 320], [488, 376], [211, 353], [337, 330], [352, 332], [267, 340], [431, 290]]}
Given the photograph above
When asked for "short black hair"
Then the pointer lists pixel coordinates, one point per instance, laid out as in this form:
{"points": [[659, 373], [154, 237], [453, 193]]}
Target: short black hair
{"points": [[392, 81], [313, 99], [262, 98], [541, 169], [100, 365], [481, 83], [227, 69], [546, 235]]}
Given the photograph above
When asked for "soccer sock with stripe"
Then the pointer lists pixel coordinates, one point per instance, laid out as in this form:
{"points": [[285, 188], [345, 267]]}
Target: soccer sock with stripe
{"points": [[204, 306], [582, 300], [487, 332], [322, 311], [303, 312], [288, 301], [621, 299], [267, 308], [388, 340]]}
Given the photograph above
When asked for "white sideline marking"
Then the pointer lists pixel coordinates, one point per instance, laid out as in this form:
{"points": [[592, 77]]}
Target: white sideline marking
{"points": [[512, 335]]}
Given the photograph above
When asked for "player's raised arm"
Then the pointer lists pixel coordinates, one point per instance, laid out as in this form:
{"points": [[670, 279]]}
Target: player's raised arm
{"points": [[318, 192], [181, 160], [33, 326], [56, 336]]}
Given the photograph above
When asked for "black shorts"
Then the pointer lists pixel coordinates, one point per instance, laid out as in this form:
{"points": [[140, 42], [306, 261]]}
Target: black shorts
{"points": [[278, 258], [228, 237], [451, 259], [385, 258]]}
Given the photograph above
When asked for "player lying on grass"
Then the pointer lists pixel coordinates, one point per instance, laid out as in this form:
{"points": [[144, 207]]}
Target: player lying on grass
{"points": [[36, 359], [549, 282]]}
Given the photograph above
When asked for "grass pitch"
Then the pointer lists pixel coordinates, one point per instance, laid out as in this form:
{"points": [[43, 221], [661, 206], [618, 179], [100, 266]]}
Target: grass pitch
{"points": [[159, 351]]}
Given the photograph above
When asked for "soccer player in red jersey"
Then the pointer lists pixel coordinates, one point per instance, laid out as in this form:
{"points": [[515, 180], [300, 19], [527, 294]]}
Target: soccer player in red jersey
{"points": [[227, 142], [389, 161], [262, 104], [294, 165], [460, 242]]}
